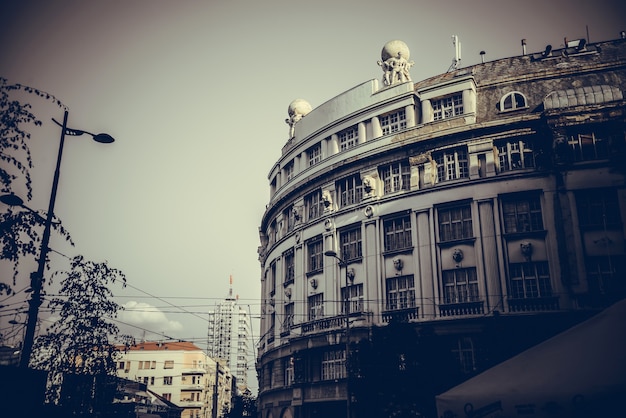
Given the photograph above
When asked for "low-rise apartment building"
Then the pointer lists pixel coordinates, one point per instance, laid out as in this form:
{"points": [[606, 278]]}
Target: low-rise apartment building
{"points": [[182, 373]]}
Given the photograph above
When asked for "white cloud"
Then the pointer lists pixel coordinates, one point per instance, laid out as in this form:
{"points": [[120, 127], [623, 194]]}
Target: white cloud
{"points": [[145, 317]]}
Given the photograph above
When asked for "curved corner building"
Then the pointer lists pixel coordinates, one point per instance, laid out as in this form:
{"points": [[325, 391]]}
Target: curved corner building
{"points": [[436, 228]]}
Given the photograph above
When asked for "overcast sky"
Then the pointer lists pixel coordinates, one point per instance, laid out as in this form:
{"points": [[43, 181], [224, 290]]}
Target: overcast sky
{"points": [[196, 94]]}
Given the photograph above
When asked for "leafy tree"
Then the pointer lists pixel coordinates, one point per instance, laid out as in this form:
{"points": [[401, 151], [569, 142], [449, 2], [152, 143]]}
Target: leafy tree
{"points": [[19, 232], [243, 405], [80, 342]]}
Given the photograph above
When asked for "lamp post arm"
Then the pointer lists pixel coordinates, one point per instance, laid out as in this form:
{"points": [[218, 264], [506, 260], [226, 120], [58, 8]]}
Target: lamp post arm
{"points": [[36, 279]]}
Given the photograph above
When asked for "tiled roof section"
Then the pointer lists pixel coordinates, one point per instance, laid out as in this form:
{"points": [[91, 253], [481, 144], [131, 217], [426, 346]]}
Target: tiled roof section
{"points": [[161, 346]]}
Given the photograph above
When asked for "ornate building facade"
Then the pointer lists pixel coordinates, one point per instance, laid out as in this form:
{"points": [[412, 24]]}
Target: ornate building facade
{"points": [[419, 233]]}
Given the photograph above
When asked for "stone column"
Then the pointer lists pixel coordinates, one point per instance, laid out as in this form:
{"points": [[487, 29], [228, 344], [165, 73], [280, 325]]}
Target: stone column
{"points": [[377, 131], [372, 292], [427, 111], [362, 132], [469, 101], [427, 277], [491, 284], [410, 116]]}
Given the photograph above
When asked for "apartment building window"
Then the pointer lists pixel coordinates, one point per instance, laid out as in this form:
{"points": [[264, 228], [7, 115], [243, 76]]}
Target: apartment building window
{"points": [[315, 255], [348, 138], [168, 364], [514, 155], [290, 219], [167, 396], [316, 306], [447, 107], [400, 292], [460, 285], [350, 190], [272, 273], [351, 244], [398, 233], [598, 209], [334, 365], [588, 146], [355, 298], [121, 365], [289, 317], [530, 280], [289, 266], [396, 176], [314, 204], [152, 380], [512, 101], [289, 170], [167, 380], [522, 214], [273, 232], [288, 367], [455, 223], [153, 365], [314, 154], [465, 354], [452, 164], [605, 275], [393, 122]]}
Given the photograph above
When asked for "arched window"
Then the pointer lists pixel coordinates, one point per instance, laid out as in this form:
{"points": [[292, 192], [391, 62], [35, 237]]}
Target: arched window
{"points": [[513, 101]]}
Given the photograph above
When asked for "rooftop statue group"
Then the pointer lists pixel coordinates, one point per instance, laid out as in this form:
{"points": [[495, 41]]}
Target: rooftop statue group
{"points": [[395, 64], [396, 69]]}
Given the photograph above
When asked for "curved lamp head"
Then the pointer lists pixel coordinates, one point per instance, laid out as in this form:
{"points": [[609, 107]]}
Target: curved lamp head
{"points": [[11, 200], [103, 138]]}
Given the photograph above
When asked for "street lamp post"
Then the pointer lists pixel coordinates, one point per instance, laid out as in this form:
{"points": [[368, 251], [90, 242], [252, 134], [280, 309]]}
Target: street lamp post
{"points": [[346, 302], [36, 278]]}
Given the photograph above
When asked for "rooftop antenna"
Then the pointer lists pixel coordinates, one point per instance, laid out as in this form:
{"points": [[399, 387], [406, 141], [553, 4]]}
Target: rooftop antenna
{"points": [[456, 62]]}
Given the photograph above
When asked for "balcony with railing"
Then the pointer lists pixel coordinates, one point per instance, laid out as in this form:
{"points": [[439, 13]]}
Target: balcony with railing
{"points": [[461, 308], [549, 303], [400, 315]]}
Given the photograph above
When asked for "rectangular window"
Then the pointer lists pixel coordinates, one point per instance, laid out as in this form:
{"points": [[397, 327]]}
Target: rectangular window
{"points": [[316, 306], [289, 317], [314, 204], [289, 266], [522, 214], [605, 275], [289, 170], [334, 365], [315, 254], [167, 380], [460, 285], [348, 138], [530, 280], [289, 218], [464, 353], [398, 233], [121, 365], [455, 223], [288, 367], [273, 278], [167, 396], [315, 154], [168, 364], [598, 208], [587, 147], [351, 245], [447, 107], [452, 164], [350, 190], [393, 122], [355, 299], [514, 155], [400, 292], [396, 176]]}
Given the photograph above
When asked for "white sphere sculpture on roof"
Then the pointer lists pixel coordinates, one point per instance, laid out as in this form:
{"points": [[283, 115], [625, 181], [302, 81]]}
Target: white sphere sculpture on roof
{"points": [[297, 110], [395, 62]]}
